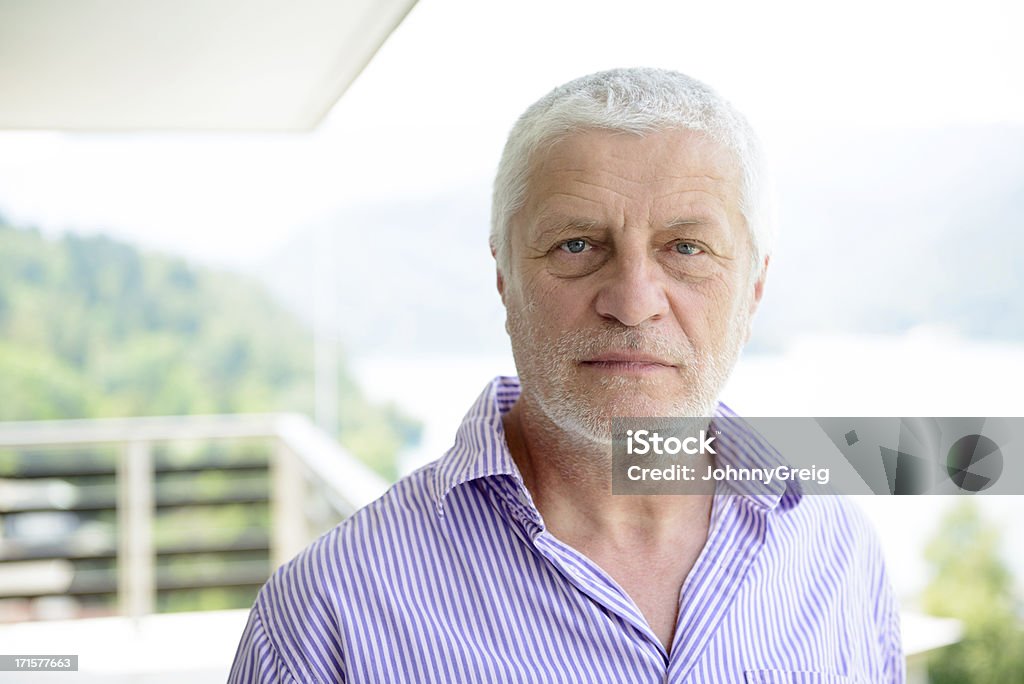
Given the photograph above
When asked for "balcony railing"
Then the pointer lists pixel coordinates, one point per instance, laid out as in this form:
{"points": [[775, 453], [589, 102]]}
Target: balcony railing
{"points": [[80, 503]]}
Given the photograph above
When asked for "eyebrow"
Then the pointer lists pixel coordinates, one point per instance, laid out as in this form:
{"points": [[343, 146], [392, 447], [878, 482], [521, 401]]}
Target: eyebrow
{"points": [[555, 225]]}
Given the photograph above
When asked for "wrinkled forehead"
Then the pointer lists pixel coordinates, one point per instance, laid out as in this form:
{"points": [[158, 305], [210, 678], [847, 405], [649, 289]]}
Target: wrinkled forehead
{"points": [[668, 169]]}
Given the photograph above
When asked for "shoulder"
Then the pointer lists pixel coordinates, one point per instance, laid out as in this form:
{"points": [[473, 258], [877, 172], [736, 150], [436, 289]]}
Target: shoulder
{"points": [[836, 518], [841, 548], [828, 533], [406, 510]]}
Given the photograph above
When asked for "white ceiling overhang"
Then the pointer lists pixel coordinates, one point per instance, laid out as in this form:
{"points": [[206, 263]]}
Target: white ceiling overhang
{"points": [[239, 65]]}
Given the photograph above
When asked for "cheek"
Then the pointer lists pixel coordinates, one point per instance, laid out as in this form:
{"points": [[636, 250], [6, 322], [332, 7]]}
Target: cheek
{"points": [[554, 300], [707, 310]]}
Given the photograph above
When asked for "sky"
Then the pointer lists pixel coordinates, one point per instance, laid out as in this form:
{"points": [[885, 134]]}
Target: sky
{"points": [[431, 110]]}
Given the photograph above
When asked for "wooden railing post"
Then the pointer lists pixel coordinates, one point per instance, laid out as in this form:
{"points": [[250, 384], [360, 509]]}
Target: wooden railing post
{"points": [[289, 532], [135, 551]]}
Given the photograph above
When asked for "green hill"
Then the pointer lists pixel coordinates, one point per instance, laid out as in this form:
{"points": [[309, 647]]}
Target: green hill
{"points": [[91, 327]]}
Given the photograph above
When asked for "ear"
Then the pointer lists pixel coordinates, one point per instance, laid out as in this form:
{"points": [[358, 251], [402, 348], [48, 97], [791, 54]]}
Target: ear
{"points": [[759, 284], [755, 300], [500, 278]]}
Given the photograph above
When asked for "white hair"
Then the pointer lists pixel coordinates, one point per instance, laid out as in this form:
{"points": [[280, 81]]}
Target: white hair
{"points": [[637, 101]]}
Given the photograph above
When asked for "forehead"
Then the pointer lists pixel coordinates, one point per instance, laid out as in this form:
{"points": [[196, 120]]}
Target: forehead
{"points": [[663, 167]]}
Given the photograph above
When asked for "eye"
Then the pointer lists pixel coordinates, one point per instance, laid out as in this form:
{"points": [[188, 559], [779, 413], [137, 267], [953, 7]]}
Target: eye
{"points": [[688, 248], [574, 246]]}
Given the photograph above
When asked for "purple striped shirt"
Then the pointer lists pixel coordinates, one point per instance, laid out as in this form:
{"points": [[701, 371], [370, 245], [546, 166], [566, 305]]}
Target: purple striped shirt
{"points": [[452, 577]]}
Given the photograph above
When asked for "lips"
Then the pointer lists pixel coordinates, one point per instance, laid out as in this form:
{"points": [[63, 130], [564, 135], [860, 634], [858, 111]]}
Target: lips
{"points": [[626, 361]]}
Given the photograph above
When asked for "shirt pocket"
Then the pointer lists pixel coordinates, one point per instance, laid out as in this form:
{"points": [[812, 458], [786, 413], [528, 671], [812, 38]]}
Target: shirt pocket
{"points": [[789, 677]]}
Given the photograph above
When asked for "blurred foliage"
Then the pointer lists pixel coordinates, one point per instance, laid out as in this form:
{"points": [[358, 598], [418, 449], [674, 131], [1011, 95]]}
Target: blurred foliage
{"points": [[213, 524], [972, 584], [91, 327], [215, 598]]}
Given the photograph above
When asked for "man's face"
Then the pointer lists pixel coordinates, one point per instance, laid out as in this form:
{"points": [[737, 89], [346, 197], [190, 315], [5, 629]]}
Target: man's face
{"points": [[630, 284]]}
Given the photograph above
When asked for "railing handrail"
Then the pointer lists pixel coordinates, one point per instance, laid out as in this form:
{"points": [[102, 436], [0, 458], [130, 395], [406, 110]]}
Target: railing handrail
{"points": [[326, 461], [82, 431]]}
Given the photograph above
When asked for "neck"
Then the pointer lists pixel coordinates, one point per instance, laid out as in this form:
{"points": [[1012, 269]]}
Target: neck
{"points": [[569, 477]]}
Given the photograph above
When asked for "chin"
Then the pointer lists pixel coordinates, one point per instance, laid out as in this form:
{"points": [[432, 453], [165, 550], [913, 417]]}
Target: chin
{"points": [[591, 419], [629, 398]]}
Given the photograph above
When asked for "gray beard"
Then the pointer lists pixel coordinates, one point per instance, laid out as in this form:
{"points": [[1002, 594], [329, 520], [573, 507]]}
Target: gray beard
{"points": [[547, 374]]}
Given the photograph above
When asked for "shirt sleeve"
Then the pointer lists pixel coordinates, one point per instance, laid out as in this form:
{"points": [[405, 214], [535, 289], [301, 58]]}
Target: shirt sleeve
{"points": [[894, 662], [256, 659], [887, 619]]}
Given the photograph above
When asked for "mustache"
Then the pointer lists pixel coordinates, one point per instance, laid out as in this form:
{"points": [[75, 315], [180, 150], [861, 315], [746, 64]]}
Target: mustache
{"points": [[580, 345]]}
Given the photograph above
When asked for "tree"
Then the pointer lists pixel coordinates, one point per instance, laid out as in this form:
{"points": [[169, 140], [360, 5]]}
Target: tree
{"points": [[91, 327], [973, 584]]}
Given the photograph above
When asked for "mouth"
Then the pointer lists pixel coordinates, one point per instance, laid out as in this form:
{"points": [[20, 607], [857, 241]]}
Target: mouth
{"points": [[629, 363]]}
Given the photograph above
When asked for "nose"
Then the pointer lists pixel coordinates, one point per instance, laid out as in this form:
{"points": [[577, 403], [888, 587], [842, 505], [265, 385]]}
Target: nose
{"points": [[633, 292]]}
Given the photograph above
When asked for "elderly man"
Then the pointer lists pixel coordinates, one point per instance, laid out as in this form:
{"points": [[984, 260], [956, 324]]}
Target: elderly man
{"points": [[631, 240]]}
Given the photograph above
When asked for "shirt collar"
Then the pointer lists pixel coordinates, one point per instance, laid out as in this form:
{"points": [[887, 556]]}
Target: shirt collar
{"points": [[480, 448], [481, 451]]}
